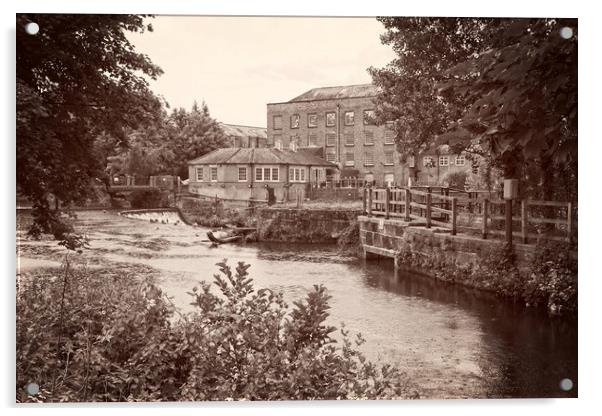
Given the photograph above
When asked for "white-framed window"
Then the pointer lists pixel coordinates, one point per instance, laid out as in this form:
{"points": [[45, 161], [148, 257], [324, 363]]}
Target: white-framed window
{"points": [[349, 159], [460, 160], [331, 157], [368, 138], [412, 161], [389, 133], [331, 119], [369, 158], [331, 139], [295, 121], [313, 139], [389, 158], [199, 174], [349, 118], [213, 173], [292, 145], [443, 160], [428, 162], [349, 139], [312, 120], [242, 174], [266, 174], [296, 174], [369, 117]]}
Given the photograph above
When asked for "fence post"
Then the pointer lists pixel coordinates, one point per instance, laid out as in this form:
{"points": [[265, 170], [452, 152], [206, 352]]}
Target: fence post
{"points": [[387, 199], [569, 222], [454, 209], [485, 219], [364, 199], [508, 221], [523, 220], [408, 201], [428, 210], [369, 202]]}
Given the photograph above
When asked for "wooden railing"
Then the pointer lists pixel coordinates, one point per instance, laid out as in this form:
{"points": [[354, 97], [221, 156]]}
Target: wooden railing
{"points": [[443, 211]]}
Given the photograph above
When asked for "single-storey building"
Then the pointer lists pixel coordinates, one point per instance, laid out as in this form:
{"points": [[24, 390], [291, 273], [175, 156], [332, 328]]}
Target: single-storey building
{"points": [[252, 174]]}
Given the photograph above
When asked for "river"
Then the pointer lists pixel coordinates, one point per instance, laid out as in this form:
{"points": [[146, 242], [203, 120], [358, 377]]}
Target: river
{"points": [[451, 342]]}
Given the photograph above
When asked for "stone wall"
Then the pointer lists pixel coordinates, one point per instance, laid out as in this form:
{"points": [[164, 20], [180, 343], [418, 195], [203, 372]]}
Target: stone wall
{"points": [[392, 237], [303, 225]]}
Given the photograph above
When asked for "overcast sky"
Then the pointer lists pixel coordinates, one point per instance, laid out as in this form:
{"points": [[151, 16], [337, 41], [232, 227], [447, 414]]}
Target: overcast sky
{"points": [[239, 64]]}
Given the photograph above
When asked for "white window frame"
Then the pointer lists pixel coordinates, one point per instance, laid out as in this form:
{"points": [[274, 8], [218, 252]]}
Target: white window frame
{"points": [[366, 142], [443, 160], [312, 143], [266, 170], [334, 141], [460, 160], [366, 162], [334, 123], [386, 163], [349, 162], [311, 125], [296, 117], [296, 174], [211, 170], [352, 117], [240, 169], [349, 135], [411, 161], [331, 157], [199, 178]]}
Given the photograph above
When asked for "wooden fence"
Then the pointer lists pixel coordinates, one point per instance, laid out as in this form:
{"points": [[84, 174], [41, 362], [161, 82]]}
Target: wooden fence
{"points": [[548, 220]]}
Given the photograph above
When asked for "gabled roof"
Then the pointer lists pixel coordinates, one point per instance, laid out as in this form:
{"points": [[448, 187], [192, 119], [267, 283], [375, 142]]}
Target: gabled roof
{"points": [[345, 91], [244, 131], [261, 155]]}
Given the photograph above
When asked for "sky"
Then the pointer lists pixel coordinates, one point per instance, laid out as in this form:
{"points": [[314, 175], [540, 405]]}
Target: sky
{"points": [[239, 64]]}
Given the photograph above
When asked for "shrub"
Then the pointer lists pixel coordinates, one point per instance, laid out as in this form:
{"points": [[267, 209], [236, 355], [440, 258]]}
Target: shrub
{"points": [[456, 180], [114, 339], [148, 199], [553, 278]]}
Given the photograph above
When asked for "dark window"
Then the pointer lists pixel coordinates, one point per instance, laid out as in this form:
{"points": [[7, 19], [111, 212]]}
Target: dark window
{"points": [[369, 117], [277, 122]]}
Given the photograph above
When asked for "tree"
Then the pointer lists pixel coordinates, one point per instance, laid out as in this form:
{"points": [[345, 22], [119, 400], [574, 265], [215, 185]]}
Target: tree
{"points": [[77, 78], [502, 88]]}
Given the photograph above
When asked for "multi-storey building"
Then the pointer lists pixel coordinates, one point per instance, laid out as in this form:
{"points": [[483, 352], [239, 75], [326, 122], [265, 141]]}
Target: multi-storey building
{"points": [[340, 122]]}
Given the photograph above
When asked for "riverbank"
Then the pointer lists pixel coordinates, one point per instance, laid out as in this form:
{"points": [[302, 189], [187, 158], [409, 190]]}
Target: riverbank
{"points": [[536, 275]]}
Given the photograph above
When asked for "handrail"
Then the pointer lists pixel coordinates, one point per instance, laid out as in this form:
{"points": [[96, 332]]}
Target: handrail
{"points": [[409, 203]]}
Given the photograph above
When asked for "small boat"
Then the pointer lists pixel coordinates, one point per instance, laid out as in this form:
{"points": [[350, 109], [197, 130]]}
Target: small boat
{"points": [[223, 237]]}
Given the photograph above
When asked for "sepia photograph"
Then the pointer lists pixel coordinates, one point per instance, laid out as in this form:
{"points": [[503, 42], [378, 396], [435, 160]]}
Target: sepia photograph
{"points": [[293, 208]]}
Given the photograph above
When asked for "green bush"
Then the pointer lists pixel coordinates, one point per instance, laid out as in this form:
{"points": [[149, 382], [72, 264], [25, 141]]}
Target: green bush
{"points": [[97, 335], [148, 199], [553, 278]]}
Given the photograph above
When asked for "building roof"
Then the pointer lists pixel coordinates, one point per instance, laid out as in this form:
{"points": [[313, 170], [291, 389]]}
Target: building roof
{"points": [[345, 91], [244, 131], [260, 155]]}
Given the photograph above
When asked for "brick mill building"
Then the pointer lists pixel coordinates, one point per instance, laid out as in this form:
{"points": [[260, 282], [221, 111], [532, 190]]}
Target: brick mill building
{"points": [[340, 121]]}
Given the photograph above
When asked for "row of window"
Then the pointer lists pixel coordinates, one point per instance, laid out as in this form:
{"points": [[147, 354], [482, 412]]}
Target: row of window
{"points": [[262, 174], [331, 139], [330, 119], [389, 158], [429, 161]]}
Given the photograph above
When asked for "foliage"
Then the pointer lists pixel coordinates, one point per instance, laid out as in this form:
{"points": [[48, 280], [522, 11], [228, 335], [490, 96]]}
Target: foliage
{"points": [[553, 278], [505, 89], [116, 339], [167, 145], [148, 199], [77, 78], [349, 239], [456, 180]]}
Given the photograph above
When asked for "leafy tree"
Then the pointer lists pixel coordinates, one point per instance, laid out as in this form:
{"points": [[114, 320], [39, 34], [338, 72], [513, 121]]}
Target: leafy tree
{"points": [[502, 88], [77, 78]]}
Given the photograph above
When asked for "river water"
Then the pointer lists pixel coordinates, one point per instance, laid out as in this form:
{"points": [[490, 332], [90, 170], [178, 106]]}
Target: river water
{"points": [[450, 341]]}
